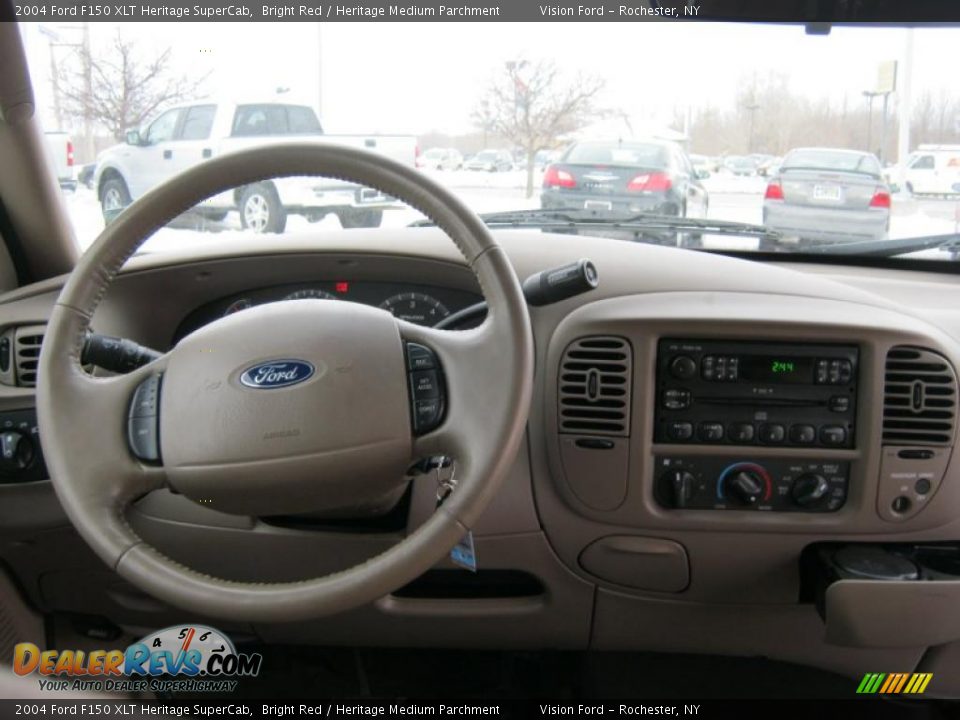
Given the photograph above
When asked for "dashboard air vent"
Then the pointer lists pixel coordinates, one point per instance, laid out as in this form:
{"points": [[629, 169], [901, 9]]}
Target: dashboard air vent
{"points": [[26, 353], [595, 387], [919, 398]]}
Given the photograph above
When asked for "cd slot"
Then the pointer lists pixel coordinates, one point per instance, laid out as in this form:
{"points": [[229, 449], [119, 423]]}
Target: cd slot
{"points": [[759, 402]]}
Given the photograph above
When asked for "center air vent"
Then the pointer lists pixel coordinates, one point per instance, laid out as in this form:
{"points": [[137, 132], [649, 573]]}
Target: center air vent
{"points": [[595, 387], [919, 399]]}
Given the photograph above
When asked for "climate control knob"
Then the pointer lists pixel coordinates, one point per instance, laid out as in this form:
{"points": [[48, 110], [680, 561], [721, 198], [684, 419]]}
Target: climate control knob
{"points": [[676, 488], [809, 489], [745, 486]]}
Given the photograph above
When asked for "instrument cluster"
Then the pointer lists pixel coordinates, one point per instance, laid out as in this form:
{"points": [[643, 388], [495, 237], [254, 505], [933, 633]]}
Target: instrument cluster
{"points": [[420, 304]]}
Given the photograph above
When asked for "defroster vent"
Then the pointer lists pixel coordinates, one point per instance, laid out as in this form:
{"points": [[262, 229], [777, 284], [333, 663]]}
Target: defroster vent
{"points": [[919, 399], [595, 381]]}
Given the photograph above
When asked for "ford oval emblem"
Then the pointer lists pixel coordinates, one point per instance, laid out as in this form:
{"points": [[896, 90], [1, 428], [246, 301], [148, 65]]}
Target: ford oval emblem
{"points": [[276, 374]]}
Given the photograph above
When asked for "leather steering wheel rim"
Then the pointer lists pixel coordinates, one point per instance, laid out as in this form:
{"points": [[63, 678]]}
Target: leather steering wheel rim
{"points": [[83, 418]]}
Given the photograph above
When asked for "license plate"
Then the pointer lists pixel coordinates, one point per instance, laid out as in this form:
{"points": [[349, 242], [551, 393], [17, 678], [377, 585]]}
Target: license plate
{"points": [[597, 205], [832, 193]]}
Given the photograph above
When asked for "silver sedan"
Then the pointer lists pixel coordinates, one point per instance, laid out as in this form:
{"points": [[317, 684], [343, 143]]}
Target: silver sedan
{"points": [[828, 195]]}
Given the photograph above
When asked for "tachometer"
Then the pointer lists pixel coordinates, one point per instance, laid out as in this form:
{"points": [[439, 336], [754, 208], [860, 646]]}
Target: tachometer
{"points": [[416, 308], [237, 306], [310, 294]]}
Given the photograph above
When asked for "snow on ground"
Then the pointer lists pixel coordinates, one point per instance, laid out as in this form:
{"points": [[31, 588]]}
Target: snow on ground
{"points": [[733, 198]]}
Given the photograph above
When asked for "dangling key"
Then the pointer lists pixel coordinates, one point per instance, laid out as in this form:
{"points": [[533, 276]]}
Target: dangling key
{"points": [[464, 553]]}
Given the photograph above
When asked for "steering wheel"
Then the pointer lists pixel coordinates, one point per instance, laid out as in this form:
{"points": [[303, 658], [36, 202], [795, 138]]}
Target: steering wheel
{"points": [[336, 440]]}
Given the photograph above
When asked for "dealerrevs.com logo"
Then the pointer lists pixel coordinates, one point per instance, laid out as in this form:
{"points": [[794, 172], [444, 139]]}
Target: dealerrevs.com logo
{"points": [[182, 658]]}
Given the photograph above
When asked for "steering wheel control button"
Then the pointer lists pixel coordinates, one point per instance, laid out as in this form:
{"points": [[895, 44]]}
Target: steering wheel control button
{"points": [[420, 358], [680, 431], [427, 395], [833, 435], [740, 432], [143, 427], [146, 398], [425, 384], [803, 434], [710, 431], [426, 415], [772, 433]]}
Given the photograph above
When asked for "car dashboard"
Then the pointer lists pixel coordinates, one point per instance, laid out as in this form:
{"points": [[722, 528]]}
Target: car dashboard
{"points": [[700, 425]]}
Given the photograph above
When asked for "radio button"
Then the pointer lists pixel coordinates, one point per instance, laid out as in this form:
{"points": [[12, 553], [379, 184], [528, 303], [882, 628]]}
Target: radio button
{"points": [[740, 432], [710, 431], [839, 403], [772, 433], [833, 435], [676, 399], [683, 367], [708, 367], [803, 434], [680, 430]]}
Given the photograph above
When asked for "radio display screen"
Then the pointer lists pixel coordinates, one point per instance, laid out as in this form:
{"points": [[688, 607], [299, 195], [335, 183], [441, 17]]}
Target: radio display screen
{"points": [[777, 369]]}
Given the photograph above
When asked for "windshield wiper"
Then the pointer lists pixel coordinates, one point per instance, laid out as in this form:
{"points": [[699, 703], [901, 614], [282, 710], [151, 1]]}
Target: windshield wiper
{"points": [[580, 219], [890, 248]]}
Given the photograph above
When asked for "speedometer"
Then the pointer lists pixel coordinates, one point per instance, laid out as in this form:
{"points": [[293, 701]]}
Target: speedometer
{"points": [[310, 294], [416, 308]]}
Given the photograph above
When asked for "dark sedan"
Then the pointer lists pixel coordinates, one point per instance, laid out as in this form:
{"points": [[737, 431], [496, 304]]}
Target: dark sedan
{"points": [[625, 178]]}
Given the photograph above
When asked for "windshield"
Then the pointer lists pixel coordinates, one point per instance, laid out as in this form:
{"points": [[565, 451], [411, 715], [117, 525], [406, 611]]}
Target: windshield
{"points": [[817, 140]]}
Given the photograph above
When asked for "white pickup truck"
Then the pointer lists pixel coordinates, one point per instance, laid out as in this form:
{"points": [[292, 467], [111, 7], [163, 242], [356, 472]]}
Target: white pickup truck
{"points": [[185, 135], [60, 158]]}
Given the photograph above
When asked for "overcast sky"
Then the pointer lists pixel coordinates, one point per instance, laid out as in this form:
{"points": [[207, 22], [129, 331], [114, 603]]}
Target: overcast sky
{"points": [[418, 77]]}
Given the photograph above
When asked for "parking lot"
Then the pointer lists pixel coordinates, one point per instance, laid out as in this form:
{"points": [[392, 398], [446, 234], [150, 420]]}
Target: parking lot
{"points": [[734, 198]]}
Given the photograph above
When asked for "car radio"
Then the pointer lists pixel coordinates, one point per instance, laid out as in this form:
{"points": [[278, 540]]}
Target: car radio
{"points": [[712, 392]]}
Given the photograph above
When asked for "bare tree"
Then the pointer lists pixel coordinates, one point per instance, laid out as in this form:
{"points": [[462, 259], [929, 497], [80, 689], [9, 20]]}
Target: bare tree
{"points": [[532, 105], [118, 88]]}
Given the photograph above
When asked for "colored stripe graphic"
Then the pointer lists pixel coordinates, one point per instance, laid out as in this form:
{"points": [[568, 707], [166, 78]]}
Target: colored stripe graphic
{"points": [[894, 683]]}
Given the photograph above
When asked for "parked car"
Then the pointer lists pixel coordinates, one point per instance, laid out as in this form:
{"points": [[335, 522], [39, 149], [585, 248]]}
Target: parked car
{"points": [[60, 156], [701, 165], [931, 170], [625, 177], [828, 195], [186, 135], [739, 165], [490, 161], [440, 159], [86, 175], [544, 157]]}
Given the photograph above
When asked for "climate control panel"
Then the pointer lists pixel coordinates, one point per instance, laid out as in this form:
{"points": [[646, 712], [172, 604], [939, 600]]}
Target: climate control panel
{"points": [[775, 484]]}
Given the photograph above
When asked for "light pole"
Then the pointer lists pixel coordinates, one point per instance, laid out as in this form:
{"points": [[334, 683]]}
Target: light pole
{"points": [[870, 95], [883, 128], [752, 109]]}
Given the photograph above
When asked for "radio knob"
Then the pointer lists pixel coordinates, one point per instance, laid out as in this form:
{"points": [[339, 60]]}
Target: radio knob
{"points": [[745, 486], [809, 489], [683, 367]]}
